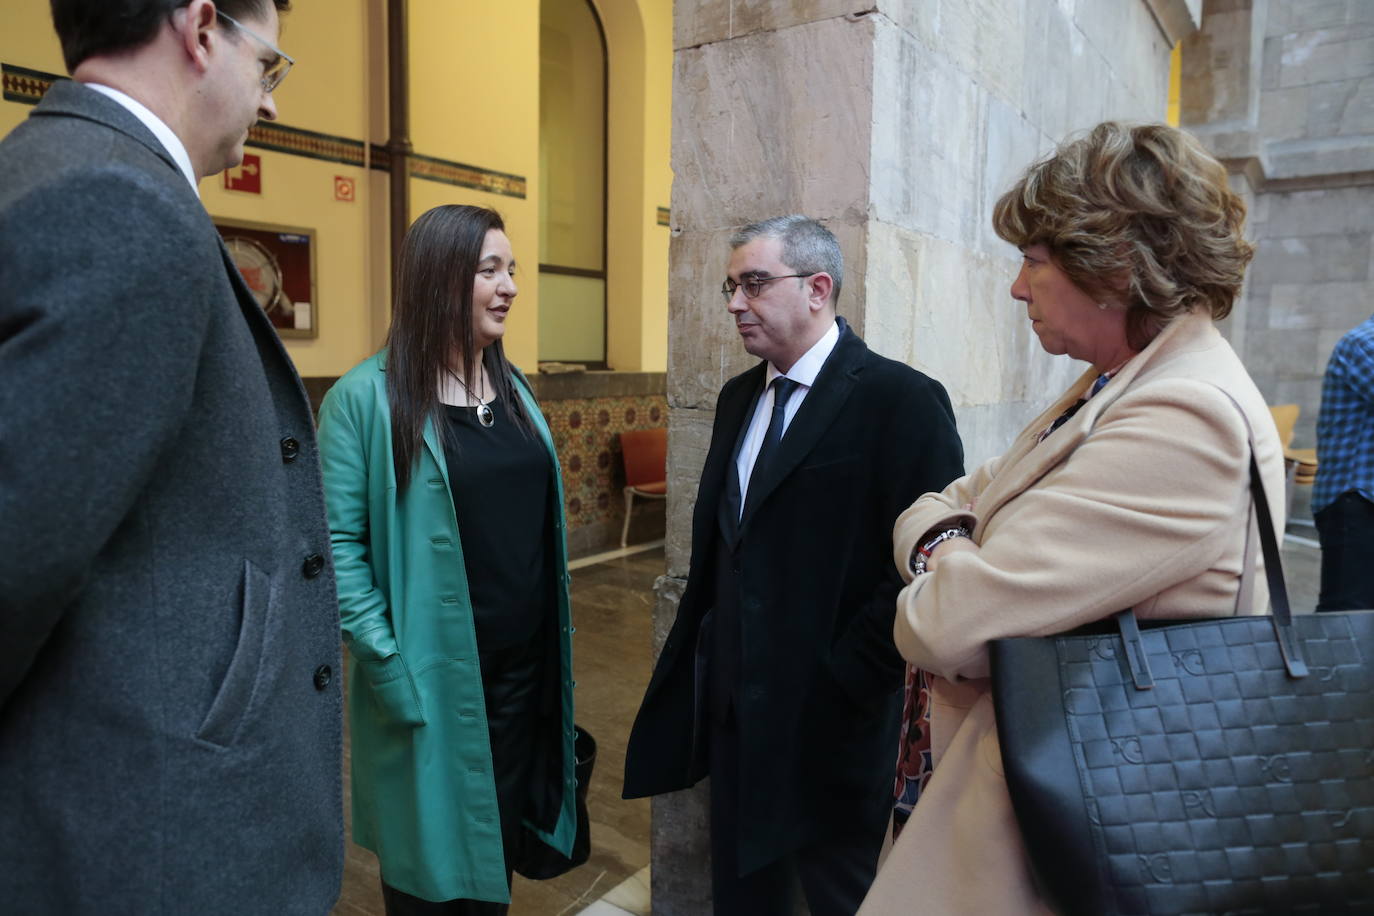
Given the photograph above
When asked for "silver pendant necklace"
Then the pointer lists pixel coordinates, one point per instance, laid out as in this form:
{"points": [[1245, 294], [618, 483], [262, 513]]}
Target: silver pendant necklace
{"points": [[485, 416]]}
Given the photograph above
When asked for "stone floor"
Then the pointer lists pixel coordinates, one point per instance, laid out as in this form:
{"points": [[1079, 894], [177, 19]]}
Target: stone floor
{"points": [[613, 602]]}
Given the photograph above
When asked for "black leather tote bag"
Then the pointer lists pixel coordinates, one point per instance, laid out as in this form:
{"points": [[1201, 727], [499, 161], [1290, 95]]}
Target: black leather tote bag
{"points": [[1198, 766]]}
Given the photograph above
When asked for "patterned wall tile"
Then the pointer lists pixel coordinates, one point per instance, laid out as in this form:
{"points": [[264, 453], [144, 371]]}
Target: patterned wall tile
{"points": [[586, 432]]}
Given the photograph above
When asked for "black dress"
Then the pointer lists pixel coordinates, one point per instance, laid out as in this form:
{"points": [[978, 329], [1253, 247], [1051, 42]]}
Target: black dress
{"points": [[500, 480]]}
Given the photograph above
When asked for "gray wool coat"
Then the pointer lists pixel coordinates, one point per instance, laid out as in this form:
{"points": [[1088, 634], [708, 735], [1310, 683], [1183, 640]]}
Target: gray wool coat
{"points": [[170, 708]]}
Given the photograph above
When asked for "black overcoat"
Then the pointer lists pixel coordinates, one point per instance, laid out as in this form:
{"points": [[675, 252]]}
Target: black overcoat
{"points": [[170, 707], [819, 697]]}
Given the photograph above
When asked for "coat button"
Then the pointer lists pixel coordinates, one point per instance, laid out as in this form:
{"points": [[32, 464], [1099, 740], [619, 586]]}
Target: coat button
{"points": [[323, 675], [313, 566], [290, 448]]}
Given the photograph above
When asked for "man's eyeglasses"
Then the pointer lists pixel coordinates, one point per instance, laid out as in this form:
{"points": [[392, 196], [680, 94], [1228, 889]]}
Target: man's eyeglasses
{"points": [[752, 286], [276, 71]]}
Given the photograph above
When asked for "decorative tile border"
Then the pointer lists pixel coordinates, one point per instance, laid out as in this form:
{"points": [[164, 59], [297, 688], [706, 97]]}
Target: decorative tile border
{"points": [[25, 85], [466, 176], [311, 144], [381, 157], [664, 216], [28, 86]]}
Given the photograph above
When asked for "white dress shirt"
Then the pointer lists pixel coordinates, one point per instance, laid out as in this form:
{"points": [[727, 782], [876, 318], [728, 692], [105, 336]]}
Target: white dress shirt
{"points": [[804, 373], [169, 140]]}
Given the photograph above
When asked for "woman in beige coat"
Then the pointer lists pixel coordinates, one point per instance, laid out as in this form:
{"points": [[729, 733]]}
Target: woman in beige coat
{"points": [[1131, 490]]}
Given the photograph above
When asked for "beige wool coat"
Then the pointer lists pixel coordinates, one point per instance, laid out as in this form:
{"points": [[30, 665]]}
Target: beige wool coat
{"points": [[1140, 500]]}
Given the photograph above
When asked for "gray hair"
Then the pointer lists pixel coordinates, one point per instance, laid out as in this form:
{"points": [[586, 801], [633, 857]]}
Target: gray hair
{"points": [[807, 246]]}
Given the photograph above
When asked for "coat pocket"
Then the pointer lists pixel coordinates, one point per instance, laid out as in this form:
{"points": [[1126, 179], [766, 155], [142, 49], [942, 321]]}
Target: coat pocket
{"points": [[394, 689], [229, 709]]}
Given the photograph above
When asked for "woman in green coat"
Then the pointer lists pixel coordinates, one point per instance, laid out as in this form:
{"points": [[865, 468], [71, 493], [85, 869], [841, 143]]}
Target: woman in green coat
{"points": [[446, 511]]}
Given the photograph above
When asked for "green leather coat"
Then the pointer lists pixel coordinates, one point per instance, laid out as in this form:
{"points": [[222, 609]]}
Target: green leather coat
{"points": [[424, 798]]}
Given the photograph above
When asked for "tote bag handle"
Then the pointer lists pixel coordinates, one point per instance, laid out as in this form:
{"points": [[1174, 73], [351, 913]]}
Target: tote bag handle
{"points": [[1289, 645]]}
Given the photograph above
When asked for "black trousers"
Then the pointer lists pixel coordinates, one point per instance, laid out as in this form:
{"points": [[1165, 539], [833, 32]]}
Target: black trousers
{"points": [[834, 873], [1346, 530], [510, 683], [399, 903]]}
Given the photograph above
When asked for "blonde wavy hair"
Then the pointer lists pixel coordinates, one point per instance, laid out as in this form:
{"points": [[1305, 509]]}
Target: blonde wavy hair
{"points": [[1139, 216]]}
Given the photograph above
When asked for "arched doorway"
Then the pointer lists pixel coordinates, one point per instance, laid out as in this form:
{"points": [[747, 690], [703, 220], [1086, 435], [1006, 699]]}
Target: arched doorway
{"points": [[572, 172]]}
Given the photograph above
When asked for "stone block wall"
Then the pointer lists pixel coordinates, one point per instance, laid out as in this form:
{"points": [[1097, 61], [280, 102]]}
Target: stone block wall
{"points": [[1284, 93], [1311, 282], [967, 95], [898, 127]]}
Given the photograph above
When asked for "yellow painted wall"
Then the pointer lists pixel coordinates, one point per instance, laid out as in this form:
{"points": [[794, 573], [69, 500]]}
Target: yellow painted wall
{"points": [[572, 114], [325, 92], [657, 175], [475, 100], [572, 176], [626, 207], [1175, 85], [26, 40], [474, 82], [639, 45]]}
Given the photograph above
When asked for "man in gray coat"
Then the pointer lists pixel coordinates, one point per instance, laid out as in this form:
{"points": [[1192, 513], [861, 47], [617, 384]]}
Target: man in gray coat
{"points": [[170, 710]]}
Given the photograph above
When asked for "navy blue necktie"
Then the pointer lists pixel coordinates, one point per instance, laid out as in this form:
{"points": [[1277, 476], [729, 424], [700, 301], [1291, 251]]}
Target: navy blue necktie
{"points": [[782, 392]]}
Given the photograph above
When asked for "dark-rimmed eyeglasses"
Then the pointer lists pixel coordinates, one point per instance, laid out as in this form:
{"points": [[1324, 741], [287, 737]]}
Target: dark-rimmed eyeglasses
{"points": [[753, 286], [276, 71]]}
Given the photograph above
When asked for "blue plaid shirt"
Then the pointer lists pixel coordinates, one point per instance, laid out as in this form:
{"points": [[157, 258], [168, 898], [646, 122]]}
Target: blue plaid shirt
{"points": [[1345, 426]]}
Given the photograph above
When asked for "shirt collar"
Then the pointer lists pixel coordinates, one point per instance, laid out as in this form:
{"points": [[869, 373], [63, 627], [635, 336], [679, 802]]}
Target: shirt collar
{"points": [[805, 370], [169, 140]]}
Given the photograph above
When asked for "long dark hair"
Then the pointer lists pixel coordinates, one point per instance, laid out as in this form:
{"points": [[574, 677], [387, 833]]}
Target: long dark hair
{"points": [[431, 320]]}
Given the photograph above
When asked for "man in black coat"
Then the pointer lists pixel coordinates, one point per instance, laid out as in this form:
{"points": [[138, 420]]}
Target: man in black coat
{"points": [[170, 708], [779, 677]]}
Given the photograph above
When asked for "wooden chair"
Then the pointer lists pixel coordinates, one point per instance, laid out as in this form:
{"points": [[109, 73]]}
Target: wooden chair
{"points": [[1304, 464], [1301, 463], [1285, 418], [646, 468]]}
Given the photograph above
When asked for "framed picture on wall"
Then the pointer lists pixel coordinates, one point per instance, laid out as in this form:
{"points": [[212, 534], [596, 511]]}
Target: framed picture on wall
{"points": [[278, 264]]}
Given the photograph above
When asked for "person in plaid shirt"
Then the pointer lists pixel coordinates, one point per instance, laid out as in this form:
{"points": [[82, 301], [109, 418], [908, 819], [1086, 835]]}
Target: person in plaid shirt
{"points": [[1343, 498]]}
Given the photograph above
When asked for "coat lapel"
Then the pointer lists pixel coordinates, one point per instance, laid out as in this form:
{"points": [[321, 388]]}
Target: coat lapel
{"points": [[823, 404], [737, 417], [436, 449], [430, 435], [1026, 461], [258, 322]]}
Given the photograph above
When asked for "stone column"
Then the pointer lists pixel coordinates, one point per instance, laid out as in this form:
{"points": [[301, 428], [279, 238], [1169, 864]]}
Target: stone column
{"points": [[1283, 93], [1219, 103], [896, 126]]}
